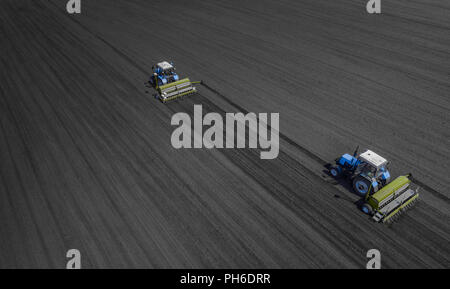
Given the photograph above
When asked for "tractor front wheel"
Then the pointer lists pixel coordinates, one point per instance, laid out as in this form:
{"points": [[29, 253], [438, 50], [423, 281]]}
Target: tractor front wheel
{"points": [[336, 172], [367, 209], [361, 186]]}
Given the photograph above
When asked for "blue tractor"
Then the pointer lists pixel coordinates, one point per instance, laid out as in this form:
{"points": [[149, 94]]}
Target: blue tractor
{"points": [[368, 172], [163, 73], [168, 84]]}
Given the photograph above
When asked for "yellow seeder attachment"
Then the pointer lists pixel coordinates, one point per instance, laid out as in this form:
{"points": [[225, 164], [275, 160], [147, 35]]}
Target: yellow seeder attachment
{"points": [[386, 204], [176, 89]]}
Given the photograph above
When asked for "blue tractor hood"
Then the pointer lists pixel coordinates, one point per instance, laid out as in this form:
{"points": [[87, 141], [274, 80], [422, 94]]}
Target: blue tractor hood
{"points": [[347, 159]]}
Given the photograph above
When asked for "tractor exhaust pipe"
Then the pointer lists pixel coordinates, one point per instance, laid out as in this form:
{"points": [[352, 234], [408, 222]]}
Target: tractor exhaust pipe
{"points": [[356, 151], [155, 79]]}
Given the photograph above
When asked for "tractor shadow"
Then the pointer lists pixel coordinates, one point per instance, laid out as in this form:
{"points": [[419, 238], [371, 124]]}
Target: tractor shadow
{"points": [[150, 89], [346, 184]]}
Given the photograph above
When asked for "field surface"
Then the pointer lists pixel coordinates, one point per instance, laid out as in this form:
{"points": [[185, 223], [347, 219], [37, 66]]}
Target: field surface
{"points": [[86, 160]]}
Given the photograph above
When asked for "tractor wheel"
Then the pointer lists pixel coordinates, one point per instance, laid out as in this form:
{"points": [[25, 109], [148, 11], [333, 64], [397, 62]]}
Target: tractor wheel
{"points": [[367, 209], [361, 186], [336, 172]]}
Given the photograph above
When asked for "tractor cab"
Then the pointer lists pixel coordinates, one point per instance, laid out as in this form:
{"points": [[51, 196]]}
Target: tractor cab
{"points": [[165, 68], [368, 171], [164, 72], [372, 165]]}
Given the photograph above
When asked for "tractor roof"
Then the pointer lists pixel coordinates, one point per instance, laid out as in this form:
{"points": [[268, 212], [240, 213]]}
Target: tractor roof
{"points": [[165, 65], [372, 158]]}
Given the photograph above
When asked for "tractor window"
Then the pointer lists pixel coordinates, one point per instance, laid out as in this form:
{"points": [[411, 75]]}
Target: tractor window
{"points": [[372, 171], [168, 72], [381, 170], [368, 170]]}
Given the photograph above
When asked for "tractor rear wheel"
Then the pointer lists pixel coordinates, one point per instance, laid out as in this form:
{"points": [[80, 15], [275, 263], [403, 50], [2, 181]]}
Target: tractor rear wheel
{"points": [[361, 186]]}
